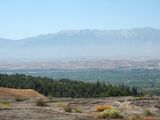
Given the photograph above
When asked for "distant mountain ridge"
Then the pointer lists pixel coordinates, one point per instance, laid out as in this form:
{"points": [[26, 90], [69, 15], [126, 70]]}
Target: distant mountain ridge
{"points": [[81, 43]]}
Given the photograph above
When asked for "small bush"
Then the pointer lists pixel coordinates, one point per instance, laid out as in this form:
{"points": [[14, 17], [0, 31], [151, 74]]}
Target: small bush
{"points": [[19, 99], [110, 113], [50, 97], [148, 113], [68, 109], [61, 104], [78, 110], [6, 103], [103, 107], [40, 102], [134, 117]]}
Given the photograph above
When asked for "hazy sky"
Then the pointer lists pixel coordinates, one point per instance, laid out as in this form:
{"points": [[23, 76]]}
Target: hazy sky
{"points": [[24, 18]]}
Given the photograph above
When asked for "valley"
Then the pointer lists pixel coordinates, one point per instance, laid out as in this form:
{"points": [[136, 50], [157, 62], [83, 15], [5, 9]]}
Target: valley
{"points": [[144, 79]]}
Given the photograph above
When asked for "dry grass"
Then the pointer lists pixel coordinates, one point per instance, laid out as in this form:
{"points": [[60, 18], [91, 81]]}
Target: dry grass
{"points": [[40, 102], [134, 117], [19, 93], [19, 99], [78, 110], [68, 109], [6, 105], [101, 108], [61, 104], [141, 117], [148, 113]]}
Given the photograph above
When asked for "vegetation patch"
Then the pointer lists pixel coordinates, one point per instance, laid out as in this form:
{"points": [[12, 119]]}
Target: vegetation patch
{"points": [[40, 102], [68, 109], [19, 99], [101, 108], [142, 117], [148, 113], [61, 104], [110, 113], [134, 117], [50, 97], [64, 87], [6, 105], [78, 110]]}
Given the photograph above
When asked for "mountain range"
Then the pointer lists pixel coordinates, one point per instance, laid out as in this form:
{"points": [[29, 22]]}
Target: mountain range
{"points": [[85, 43]]}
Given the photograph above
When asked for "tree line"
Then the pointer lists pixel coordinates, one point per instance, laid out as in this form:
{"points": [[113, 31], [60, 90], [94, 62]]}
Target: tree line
{"points": [[66, 87]]}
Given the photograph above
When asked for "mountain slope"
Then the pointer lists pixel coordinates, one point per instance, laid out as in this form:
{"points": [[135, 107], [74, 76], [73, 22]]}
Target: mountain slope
{"points": [[78, 43]]}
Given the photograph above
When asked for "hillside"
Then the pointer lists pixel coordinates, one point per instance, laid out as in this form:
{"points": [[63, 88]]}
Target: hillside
{"points": [[17, 104], [19, 93]]}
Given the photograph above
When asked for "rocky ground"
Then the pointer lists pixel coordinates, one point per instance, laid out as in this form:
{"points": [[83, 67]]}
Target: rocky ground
{"points": [[21, 108], [83, 109]]}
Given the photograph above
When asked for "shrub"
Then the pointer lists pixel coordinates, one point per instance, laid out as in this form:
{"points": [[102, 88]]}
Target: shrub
{"points": [[50, 97], [61, 104], [18, 99], [6, 104], [148, 113], [103, 107], [68, 109], [110, 113], [40, 102], [78, 110]]}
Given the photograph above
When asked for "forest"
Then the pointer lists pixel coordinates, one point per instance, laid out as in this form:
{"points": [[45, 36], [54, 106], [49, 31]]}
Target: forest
{"points": [[66, 87]]}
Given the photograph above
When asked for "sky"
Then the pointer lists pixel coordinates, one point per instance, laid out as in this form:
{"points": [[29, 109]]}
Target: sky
{"points": [[26, 18]]}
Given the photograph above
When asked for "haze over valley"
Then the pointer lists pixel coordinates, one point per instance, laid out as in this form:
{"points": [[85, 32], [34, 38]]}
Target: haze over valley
{"points": [[96, 44]]}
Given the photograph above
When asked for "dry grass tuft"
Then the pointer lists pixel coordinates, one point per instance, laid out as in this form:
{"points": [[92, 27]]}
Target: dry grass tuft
{"points": [[148, 113], [101, 108], [40, 102], [19, 99], [142, 117], [61, 104], [68, 109], [6, 105]]}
